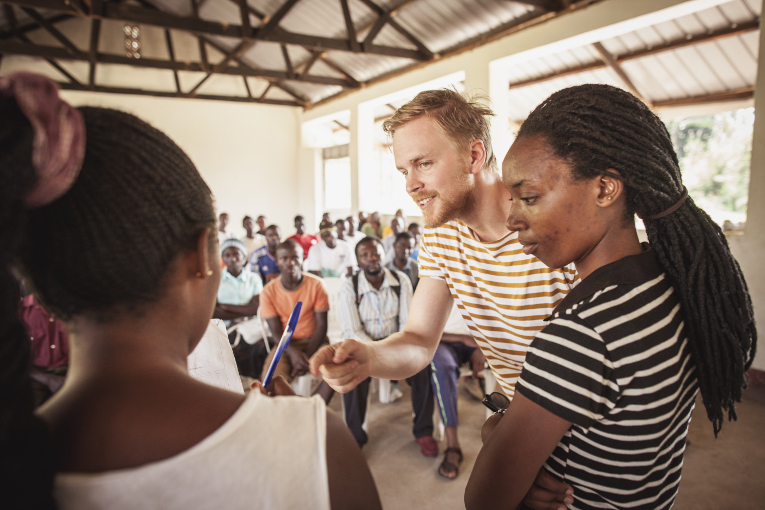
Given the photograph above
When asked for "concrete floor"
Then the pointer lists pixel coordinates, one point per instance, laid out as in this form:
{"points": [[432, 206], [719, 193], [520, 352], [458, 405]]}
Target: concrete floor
{"points": [[719, 474]]}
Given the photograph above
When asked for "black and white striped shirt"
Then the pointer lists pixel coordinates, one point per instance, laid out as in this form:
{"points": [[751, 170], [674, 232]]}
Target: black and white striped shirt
{"points": [[615, 362]]}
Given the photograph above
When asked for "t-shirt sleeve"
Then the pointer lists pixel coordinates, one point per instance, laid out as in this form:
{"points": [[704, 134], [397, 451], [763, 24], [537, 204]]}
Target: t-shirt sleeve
{"points": [[427, 266], [267, 305], [568, 371]]}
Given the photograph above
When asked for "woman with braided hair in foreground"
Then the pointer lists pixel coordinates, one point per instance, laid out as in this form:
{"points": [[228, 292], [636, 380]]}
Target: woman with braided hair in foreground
{"points": [[608, 387], [114, 228]]}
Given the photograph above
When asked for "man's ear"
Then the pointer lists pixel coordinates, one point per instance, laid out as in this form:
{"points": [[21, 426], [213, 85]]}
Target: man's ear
{"points": [[477, 156], [201, 260], [610, 188]]}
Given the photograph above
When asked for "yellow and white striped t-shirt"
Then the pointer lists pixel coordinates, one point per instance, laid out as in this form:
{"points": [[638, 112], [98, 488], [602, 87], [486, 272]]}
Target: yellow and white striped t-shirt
{"points": [[503, 294]]}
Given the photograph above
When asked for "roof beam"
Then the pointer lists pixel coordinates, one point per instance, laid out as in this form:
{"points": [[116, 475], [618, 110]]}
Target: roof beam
{"points": [[51, 30], [31, 26], [697, 39], [287, 61], [271, 23], [15, 26], [95, 32], [136, 14], [355, 46], [171, 54], [733, 95], [245, 15], [309, 63], [611, 62], [545, 5], [33, 50], [156, 93], [195, 4], [387, 16]]}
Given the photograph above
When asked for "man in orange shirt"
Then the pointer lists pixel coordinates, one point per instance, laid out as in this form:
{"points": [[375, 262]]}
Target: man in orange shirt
{"points": [[276, 303]]}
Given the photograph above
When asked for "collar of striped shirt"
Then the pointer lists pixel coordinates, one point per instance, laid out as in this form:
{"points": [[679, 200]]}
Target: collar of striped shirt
{"points": [[365, 286], [630, 270]]}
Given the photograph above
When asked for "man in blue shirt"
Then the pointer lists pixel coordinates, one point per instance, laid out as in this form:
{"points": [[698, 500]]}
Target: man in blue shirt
{"points": [[263, 260]]}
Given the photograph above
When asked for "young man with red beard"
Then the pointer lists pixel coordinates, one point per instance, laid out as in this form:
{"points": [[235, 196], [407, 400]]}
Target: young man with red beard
{"points": [[442, 146]]}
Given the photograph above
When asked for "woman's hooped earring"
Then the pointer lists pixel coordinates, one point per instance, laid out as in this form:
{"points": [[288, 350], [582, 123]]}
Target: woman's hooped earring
{"points": [[208, 273]]}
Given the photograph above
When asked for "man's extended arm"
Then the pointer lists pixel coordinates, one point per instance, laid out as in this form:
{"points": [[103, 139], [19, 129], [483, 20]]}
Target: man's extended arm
{"points": [[401, 355]]}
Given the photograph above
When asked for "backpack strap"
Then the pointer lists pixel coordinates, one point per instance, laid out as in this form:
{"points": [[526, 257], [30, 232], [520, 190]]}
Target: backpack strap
{"points": [[355, 280]]}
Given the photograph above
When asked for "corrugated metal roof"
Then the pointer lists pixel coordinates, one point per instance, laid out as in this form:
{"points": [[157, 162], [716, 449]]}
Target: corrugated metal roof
{"points": [[708, 67], [715, 66]]}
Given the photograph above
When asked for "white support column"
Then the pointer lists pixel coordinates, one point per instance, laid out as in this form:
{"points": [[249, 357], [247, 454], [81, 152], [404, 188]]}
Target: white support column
{"points": [[749, 248], [353, 154], [364, 114]]}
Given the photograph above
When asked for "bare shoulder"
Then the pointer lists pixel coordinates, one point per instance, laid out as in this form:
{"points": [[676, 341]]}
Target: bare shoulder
{"points": [[119, 424]]}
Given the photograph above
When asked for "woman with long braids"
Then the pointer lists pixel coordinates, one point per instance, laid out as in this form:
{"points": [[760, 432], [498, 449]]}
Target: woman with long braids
{"points": [[608, 387], [114, 228]]}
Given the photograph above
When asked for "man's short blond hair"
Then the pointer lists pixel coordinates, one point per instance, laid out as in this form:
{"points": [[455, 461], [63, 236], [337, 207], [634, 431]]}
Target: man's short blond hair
{"points": [[461, 117]]}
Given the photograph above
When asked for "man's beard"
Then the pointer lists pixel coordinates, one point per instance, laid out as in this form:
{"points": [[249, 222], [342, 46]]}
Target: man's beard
{"points": [[448, 209]]}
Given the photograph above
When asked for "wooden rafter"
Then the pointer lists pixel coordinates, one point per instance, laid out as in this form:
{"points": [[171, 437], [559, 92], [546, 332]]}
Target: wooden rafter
{"points": [[23, 29], [273, 22], [11, 15], [503, 30], [611, 62], [287, 61], [95, 32], [171, 54], [268, 32], [157, 93], [51, 30], [355, 46], [733, 95], [545, 5], [195, 4], [245, 15], [697, 39], [33, 50], [246, 35], [386, 17]]}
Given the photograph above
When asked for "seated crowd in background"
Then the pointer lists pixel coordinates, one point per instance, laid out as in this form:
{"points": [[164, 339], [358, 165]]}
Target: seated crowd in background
{"points": [[130, 427]]}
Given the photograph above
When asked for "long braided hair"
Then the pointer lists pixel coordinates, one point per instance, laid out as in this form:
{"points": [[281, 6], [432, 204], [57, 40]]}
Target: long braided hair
{"points": [[102, 249], [599, 127]]}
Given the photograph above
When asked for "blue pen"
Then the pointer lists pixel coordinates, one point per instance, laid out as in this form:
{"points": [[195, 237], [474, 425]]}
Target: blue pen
{"points": [[283, 343]]}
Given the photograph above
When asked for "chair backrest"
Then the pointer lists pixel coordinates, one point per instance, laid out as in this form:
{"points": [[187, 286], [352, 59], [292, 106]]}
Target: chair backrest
{"points": [[267, 335], [333, 286]]}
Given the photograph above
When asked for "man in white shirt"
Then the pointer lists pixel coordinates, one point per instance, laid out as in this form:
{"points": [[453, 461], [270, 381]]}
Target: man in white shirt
{"points": [[252, 240], [331, 257], [372, 305], [397, 226], [352, 233], [223, 234]]}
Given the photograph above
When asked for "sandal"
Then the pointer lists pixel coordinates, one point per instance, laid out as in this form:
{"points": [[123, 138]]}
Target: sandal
{"points": [[447, 467]]}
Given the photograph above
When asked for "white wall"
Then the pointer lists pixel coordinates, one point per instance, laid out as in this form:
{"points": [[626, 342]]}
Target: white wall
{"points": [[247, 154]]}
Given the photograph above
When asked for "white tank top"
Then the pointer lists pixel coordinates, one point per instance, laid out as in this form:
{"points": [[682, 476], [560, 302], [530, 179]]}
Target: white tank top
{"points": [[270, 454]]}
